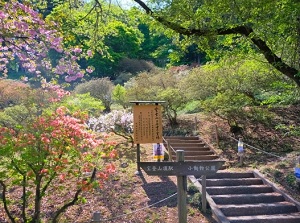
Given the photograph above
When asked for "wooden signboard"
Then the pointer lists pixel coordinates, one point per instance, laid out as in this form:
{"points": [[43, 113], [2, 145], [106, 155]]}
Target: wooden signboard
{"points": [[182, 169], [147, 126], [196, 168]]}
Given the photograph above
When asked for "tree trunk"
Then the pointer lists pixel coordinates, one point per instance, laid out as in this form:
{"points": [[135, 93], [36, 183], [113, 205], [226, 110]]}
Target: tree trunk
{"points": [[37, 200]]}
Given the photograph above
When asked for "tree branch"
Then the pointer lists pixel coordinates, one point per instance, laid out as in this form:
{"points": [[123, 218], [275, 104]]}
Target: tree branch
{"points": [[11, 218], [72, 202], [244, 30]]}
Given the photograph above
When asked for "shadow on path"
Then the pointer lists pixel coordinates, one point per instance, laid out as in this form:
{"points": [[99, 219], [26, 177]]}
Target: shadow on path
{"points": [[158, 191]]}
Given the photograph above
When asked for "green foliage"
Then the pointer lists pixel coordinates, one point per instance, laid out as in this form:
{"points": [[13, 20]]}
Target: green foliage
{"points": [[162, 86], [229, 28], [175, 101], [83, 102], [134, 66], [288, 130], [192, 189], [119, 96], [100, 88], [227, 87], [260, 115], [228, 106], [108, 30], [15, 116], [192, 107], [283, 93], [291, 180], [25, 104], [195, 200], [123, 40]]}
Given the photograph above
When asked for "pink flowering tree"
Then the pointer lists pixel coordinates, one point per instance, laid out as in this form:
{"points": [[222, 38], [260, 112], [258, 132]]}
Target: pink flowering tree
{"points": [[55, 149], [26, 39]]}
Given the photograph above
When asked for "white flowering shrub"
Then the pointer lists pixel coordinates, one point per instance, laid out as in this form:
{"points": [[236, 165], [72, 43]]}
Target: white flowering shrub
{"points": [[118, 121]]}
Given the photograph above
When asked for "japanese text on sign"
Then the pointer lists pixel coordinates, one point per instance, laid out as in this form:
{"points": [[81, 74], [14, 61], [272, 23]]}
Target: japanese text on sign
{"points": [[181, 168], [190, 168], [147, 124]]}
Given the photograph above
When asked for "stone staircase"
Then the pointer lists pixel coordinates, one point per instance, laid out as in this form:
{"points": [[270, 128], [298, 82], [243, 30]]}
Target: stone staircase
{"points": [[195, 149], [248, 197], [236, 197]]}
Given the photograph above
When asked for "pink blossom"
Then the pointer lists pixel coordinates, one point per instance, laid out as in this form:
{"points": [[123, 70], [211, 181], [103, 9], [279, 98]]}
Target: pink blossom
{"points": [[89, 53], [77, 50], [89, 70]]}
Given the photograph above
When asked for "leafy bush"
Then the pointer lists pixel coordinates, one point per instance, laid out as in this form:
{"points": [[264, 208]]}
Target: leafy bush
{"points": [[122, 78], [192, 189], [12, 92], [162, 86], [83, 102], [195, 200], [32, 104], [119, 96], [100, 88], [192, 107], [228, 106], [288, 130], [228, 87], [291, 180], [134, 66], [283, 93], [17, 115]]}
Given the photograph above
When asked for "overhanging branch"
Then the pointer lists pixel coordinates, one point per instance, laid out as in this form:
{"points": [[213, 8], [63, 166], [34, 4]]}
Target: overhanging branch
{"points": [[244, 30]]}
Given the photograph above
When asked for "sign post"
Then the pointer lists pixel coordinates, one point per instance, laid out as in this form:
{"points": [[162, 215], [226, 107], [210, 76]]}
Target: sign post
{"points": [[182, 169], [181, 191], [147, 124]]}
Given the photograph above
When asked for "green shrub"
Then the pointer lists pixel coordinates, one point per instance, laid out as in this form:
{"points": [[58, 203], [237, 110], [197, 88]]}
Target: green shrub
{"points": [[100, 88], [192, 107], [291, 180], [135, 66], [119, 96], [192, 189], [277, 174], [83, 102], [195, 200]]}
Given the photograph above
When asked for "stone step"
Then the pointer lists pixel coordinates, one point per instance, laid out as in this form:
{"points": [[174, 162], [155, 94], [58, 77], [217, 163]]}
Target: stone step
{"points": [[247, 198], [198, 158], [188, 145], [251, 189], [197, 153], [258, 209], [185, 141], [192, 149], [233, 182], [221, 175], [276, 218], [181, 137]]}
